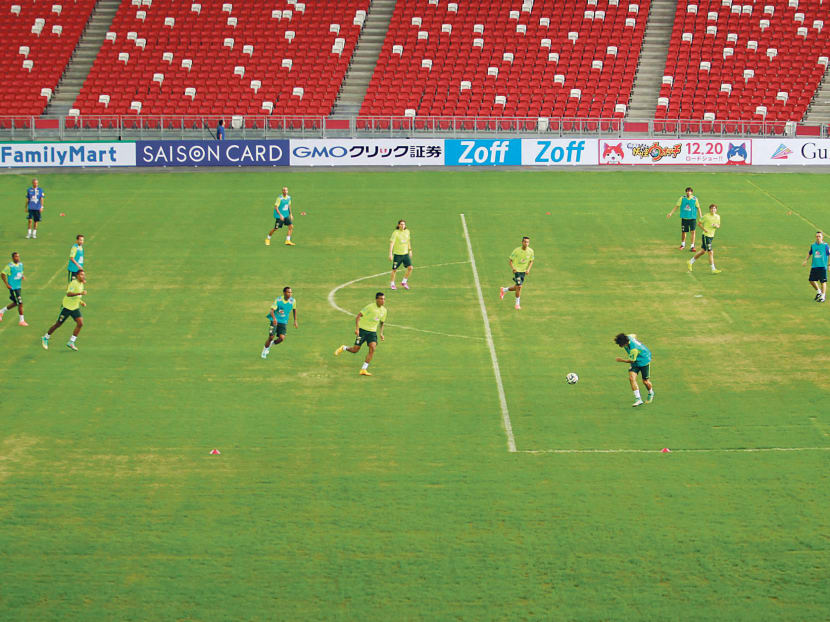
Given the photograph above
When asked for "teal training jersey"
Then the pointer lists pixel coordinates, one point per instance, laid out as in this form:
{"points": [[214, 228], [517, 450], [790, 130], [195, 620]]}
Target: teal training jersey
{"points": [[14, 274], [688, 207], [282, 309], [643, 354], [76, 253], [819, 253], [282, 207]]}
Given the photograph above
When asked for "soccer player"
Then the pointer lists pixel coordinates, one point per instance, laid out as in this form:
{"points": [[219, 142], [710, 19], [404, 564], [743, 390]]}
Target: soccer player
{"points": [[366, 330], [72, 304], [76, 257], [278, 318], [12, 276], [819, 252], [639, 357], [709, 223], [521, 260], [689, 213], [34, 207], [400, 253], [282, 216]]}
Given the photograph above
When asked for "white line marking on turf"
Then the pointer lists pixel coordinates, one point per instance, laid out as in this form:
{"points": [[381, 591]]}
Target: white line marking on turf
{"points": [[782, 204], [505, 414], [373, 276], [676, 451]]}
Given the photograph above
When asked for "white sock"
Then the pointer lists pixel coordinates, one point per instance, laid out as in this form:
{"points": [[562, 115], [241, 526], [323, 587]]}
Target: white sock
{"points": [[46, 336], [34, 233], [30, 232], [2, 311], [683, 245], [365, 366], [288, 238], [518, 299], [268, 237], [72, 339], [713, 267], [392, 283], [21, 318], [692, 260], [637, 394]]}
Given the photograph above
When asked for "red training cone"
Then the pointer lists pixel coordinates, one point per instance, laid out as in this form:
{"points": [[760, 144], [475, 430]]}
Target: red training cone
{"points": [[214, 452]]}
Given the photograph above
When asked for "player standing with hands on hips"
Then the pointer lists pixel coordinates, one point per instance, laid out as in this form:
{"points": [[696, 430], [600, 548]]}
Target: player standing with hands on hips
{"points": [[521, 260], [819, 252], [34, 207], [400, 253], [689, 213]]}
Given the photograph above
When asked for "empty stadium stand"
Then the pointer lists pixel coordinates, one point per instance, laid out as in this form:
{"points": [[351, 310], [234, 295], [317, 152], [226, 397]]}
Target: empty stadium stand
{"points": [[36, 43], [546, 59], [257, 57], [758, 62]]}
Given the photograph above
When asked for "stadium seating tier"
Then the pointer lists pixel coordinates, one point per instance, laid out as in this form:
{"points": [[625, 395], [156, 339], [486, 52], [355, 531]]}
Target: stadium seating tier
{"points": [[165, 57], [751, 62], [541, 58], [36, 43]]}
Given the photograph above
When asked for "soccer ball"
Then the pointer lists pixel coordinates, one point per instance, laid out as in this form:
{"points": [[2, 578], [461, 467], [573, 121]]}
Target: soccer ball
{"points": [[572, 378]]}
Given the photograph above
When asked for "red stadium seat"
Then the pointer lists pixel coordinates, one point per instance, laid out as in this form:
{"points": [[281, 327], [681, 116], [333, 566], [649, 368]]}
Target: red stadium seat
{"points": [[753, 55], [469, 68], [45, 52], [202, 51]]}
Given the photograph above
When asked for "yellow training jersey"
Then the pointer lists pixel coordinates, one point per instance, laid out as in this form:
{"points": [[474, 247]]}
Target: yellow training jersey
{"points": [[73, 302], [708, 222], [400, 240], [521, 258], [371, 316]]}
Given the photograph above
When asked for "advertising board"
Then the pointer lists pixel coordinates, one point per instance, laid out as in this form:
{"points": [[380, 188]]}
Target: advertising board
{"points": [[59, 155]]}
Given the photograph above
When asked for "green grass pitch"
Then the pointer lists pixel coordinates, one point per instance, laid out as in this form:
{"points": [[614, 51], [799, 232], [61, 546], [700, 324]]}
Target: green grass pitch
{"points": [[339, 497]]}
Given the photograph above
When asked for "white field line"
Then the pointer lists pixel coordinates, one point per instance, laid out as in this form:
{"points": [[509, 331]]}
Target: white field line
{"points": [[676, 451], [505, 414], [782, 204], [373, 276]]}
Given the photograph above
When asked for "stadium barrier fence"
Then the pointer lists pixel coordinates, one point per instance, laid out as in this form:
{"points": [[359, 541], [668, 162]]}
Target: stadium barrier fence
{"points": [[203, 127], [536, 151]]}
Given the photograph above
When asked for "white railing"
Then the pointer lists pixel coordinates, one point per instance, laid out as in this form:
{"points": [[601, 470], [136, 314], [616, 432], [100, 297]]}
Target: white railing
{"points": [[136, 127]]}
